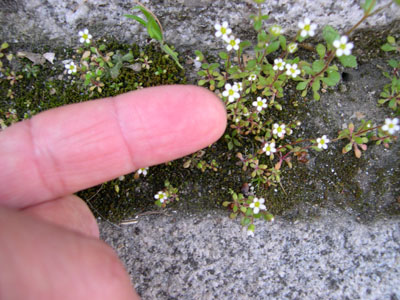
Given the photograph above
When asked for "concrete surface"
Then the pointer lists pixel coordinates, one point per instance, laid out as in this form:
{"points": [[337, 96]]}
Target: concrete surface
{"points": [[210, 257], [187, 23]]}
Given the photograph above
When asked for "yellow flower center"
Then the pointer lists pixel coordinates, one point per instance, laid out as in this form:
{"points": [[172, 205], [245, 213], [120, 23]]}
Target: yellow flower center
{"points": [[307, 27], [343, 46], [232, 42], [231, 92], [391, 126], [85, 36], [322, 141], [257, 204], [223, 30]]}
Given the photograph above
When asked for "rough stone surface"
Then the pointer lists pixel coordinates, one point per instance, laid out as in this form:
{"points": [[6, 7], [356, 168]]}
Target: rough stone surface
{"points": [[187, 23], [210, 257]]}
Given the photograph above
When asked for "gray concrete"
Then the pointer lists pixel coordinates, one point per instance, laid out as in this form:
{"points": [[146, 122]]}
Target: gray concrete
{"points": [[187, 23], [210, 257]]}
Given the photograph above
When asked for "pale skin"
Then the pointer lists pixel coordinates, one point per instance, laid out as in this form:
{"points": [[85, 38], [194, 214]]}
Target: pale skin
{"points": [[49, 239]]}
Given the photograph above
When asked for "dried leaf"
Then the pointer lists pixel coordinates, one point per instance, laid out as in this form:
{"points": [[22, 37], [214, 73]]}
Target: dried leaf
{"points": [[36, 58], [357, 151], [187, 164], [86, 54], [49, 56]]}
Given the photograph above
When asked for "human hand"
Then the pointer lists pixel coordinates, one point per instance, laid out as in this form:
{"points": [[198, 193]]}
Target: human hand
{"points": [[49, 246]]}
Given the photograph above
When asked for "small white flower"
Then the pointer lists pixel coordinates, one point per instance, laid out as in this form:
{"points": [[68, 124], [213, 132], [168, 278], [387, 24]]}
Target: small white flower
{"points": [[250, 233], [279, 130], [231, 92], [322, 142], [233, 43], [292, 47], [307, 28], [269, 148], [238, 85], [276, 30], [222, 30], [71, 67], [198, 58], [143, 171], [391, 125], [342, 46], [161, 196], [291, 70], [85, 36], [121, 178], [260, 104], [279, 64], [258, 205], [252, 77]]}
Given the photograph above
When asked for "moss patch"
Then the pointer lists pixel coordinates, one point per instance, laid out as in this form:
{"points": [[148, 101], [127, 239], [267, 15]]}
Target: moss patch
{"points": [[329, 178]]}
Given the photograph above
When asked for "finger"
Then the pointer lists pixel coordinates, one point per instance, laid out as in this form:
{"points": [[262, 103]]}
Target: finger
{"points": [[41, 261], [64, 150], [70, 212]]}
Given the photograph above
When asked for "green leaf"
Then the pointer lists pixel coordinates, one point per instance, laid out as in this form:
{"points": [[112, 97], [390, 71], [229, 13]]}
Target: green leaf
{"points": [[221, 84], [273, 47], [102, 47], [318, 66], [347, 148], [268, 217], [127, 57], [330, 34], [368, 6], [235, 208], [332, 79], [301, 85], [316, 86], [4, 46], [202, 82], [348, 61], [308, 70], [114, 71], [321, 50], [391, 40], [244, 44], [245, 221], [316, 96], [387, 47], [397, 2], [225, 203], [394, 63], [136, 18], [282, 41], [251, 63], [154, 30], [171, 53], [223, 55], [243, 209], [257, 24], [360, 140]]}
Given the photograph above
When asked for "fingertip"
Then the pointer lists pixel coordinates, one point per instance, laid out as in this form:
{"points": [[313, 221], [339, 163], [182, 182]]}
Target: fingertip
{"points": [[170, 122]]}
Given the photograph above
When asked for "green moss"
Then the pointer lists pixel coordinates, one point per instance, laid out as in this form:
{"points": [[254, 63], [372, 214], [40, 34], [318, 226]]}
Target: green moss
{"points": [[329, 179]]}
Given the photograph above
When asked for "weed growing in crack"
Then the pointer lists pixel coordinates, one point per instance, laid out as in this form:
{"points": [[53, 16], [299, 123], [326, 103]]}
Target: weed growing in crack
{"points": [[252, 86]]}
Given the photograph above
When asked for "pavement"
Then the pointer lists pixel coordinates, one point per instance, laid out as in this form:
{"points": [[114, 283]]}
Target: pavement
{"points": [[209, 256]]}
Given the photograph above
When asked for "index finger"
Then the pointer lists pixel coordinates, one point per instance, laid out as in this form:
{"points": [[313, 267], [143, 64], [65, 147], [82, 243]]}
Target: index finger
{"points": [[67, 149]]}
